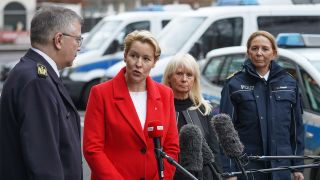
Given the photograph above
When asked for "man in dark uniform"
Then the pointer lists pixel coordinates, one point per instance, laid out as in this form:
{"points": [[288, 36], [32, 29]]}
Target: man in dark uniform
{"points": [[39, 124]]}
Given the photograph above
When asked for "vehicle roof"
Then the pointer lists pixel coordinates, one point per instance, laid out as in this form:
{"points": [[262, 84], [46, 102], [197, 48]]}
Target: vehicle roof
{"points": [[142, 14], [312, 54], [304, 9]]}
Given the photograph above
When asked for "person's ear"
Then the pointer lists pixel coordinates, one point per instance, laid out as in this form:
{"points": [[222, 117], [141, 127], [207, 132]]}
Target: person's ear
{"points": [[57, 41]]}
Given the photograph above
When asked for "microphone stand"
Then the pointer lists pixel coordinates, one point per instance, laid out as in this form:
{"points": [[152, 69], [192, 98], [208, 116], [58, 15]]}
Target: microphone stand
{"points": [[313, 165], [240, 166], [267, 158], [177, 165]]}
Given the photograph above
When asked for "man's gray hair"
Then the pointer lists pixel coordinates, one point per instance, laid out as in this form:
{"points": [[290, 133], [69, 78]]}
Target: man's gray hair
{"points": [[49, 20]]}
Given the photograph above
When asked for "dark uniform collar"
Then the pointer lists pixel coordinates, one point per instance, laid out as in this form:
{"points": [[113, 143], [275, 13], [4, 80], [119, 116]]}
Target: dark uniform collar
{"points": [[275, 68]]}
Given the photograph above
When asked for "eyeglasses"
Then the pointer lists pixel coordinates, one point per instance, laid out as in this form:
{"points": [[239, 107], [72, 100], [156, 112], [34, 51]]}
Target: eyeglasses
{"points": [[77, 38]]}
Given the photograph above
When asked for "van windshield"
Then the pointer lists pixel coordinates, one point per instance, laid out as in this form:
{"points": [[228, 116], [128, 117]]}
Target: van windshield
{"points": [[100, 34], [180, 32]]}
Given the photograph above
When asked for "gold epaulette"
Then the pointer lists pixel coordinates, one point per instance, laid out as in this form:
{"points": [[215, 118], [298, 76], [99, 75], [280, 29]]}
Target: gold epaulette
{"points": [[42, 70], [231, 75]]}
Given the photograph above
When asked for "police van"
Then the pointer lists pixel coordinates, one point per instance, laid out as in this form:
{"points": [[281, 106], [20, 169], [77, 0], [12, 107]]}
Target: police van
{"points": [[104, 41], [209, 28], [301, 59]]}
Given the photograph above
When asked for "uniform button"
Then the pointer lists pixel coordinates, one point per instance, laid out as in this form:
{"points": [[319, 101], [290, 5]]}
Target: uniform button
{"points": [[143, 150], [68, 115], [261, 117], [142, 178], [270, 97], [257, 96]]}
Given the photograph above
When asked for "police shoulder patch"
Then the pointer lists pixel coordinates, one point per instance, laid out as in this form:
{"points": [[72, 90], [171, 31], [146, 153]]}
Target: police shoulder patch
{"points": [[231, 75], [290, 74], [42, 70]]}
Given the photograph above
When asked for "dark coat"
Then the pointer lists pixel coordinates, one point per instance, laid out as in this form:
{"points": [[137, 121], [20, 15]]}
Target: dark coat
{"points": [[267, 116], [209, 171], [39, 125]]}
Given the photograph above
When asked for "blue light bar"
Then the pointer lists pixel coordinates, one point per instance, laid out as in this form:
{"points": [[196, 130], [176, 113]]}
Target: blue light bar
{"points": [[290, 40]]}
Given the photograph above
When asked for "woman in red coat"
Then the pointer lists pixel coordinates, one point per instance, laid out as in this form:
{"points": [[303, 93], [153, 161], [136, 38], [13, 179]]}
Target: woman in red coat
{"points": [[116, 143]]}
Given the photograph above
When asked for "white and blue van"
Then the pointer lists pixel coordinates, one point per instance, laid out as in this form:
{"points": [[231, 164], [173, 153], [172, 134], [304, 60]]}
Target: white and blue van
{"points": [[209, 28], [99, 50]]}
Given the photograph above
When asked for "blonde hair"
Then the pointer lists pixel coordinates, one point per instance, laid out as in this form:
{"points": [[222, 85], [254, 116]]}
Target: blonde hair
{"points": [[142, 36], [188, 62]]}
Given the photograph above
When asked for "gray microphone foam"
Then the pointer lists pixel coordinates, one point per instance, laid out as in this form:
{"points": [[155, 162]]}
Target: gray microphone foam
{"points": [[208, 156], [227, 135], [190, 139]]}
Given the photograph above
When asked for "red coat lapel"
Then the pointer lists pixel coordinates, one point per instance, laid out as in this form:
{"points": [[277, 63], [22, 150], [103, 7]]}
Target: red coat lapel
{"points": [[125, 105]]}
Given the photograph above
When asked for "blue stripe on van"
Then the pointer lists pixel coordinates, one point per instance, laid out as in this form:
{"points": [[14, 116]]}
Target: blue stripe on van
{"points": [[314, 142], [104, 64], [157, 78]]}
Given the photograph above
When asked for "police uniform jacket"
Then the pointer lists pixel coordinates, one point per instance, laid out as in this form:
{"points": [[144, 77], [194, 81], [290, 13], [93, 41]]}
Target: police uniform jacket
{"points": [[267, 116], [39, 125], [115, 144]]}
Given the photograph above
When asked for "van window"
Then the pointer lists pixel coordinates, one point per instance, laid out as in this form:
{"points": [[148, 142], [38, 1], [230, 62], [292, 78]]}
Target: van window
{"points": [[117, 44], [164, 23], [180, 33], [99, 34], [219, 68], [313, 91], [290, 24], [221, 33]]}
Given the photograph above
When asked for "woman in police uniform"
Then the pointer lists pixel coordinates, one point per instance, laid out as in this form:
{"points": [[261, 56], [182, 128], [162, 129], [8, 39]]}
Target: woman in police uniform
{"points": [[263, 101]]}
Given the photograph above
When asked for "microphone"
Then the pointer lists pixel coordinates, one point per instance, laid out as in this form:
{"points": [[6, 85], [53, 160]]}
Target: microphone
{"points": [[208, 156], [190, 139], [229, 139], [155, 131], [208, 159]]}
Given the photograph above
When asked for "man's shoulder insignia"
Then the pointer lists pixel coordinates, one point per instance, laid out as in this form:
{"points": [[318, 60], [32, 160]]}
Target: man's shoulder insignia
{"points": [[42, 70]]}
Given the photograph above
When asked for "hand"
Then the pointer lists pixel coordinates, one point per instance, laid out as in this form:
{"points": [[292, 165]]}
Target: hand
{"points": [[298, 176], [231, 178]]}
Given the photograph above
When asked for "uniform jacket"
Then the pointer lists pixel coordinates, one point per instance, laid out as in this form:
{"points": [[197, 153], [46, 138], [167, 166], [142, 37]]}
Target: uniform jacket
{"points": [[267, 116], [115, 145], [39, 125]]}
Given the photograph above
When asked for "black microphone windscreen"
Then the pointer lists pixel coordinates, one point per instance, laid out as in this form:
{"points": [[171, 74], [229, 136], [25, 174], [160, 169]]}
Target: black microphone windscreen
{"points": [[227, 135], [208, 156], [190, 139]]}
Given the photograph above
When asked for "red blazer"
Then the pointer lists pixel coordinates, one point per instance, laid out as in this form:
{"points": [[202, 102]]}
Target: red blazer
{"points": [[114, 144]]}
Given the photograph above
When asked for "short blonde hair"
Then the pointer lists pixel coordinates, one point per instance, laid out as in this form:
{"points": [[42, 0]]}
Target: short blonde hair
{"points": [[188, 62], [142, 36]]}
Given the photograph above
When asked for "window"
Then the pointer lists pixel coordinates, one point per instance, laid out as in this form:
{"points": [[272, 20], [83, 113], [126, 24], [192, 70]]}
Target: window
{"points": [[221, 33], [232, 64], [313, 91], [117, 44], [219, 68], [164, 22], [290, 24], [180, 32], [14, 17]]}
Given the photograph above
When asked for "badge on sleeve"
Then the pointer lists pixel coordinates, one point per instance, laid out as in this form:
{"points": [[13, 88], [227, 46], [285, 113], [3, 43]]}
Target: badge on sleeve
{"points": [[42, 70]]}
